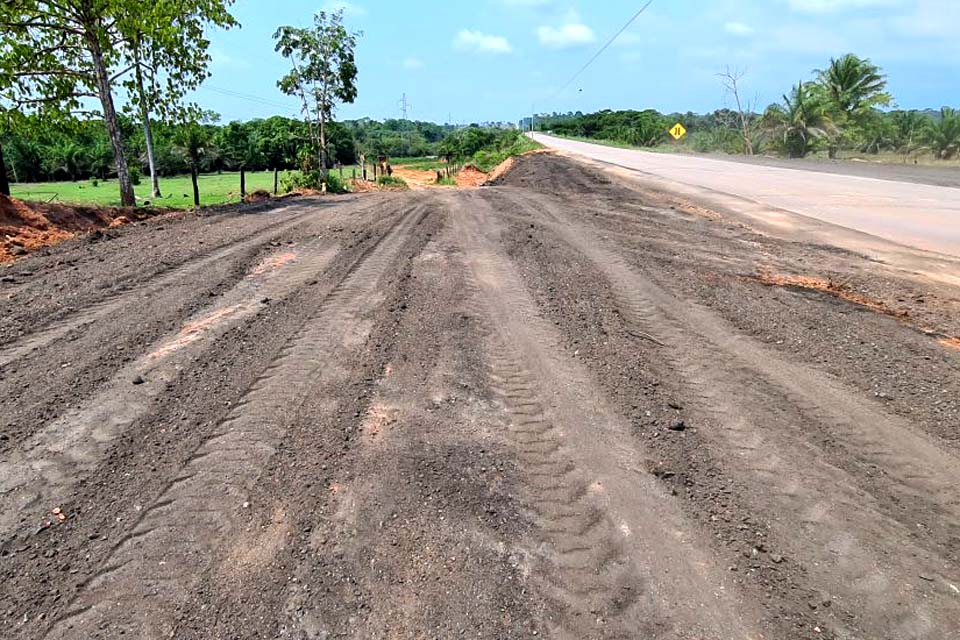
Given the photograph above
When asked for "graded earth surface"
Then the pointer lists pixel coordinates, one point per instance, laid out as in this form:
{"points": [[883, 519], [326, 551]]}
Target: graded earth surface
{"points": [[560, 406]]}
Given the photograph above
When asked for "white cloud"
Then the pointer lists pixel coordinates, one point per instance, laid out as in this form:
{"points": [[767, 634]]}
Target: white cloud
{"points": [[413, 63], [572, 33], [348, 8], [738, 29], [481, 42], [833, 6]]}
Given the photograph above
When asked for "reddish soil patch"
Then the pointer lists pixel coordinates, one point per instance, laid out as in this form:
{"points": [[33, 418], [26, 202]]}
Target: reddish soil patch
{"points": [[470, 177], [839, 290], [416, 178], [363, 186], [259, 195], [30, 226], [836, 289]]}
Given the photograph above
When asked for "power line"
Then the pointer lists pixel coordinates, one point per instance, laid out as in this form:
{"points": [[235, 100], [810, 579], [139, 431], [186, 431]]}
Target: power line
{"points": [[245, 96], [602, 49]]}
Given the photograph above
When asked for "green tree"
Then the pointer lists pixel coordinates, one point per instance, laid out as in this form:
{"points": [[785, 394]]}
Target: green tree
{"points": [[943, 135], [57, 55], [909, 128], [324, 70], [6, 127], [195, 143], [239, 149], [800, 121], [854, 85], [167, 49]]}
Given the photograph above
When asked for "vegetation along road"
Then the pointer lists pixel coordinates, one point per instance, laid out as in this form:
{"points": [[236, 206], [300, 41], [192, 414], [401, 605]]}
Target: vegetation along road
{"points": [[586, 409]]}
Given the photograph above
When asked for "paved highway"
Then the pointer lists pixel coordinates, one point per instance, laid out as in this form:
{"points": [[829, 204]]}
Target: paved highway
{"points": [[916, 215]]}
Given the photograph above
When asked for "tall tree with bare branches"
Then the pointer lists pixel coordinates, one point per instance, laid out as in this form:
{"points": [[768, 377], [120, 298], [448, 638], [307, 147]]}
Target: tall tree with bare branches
{"points": [[731, 81]]}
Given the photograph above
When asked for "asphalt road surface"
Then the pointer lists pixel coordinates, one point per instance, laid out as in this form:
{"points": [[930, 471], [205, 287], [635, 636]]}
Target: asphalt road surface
{"points": [[557, 407], [916, 215]]}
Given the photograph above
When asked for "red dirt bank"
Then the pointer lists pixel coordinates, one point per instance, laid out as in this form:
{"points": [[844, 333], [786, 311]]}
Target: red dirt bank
{"points": [[27, 227]]}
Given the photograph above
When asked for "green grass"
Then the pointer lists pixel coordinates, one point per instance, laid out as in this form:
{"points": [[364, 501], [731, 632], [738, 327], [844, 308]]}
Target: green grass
{"points": [[487, 159], [419, 164], [178, 192], [392, 181]]}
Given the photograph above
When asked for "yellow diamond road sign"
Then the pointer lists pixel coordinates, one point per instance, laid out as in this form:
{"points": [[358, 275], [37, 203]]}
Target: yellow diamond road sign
{"points": [[678, 131]]}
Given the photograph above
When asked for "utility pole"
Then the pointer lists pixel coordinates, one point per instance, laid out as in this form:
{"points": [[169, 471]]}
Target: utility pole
{"points": [[405, 110]]}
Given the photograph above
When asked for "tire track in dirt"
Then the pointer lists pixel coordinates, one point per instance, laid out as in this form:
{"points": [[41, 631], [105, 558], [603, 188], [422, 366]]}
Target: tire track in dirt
{"points": [[153, 568], [732, 378], [620, 556], [39, 474], [101, 309], [422, 514]]}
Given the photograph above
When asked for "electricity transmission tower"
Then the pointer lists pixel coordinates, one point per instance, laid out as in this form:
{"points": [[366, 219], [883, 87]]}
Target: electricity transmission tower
{"points": [[405, 110]]}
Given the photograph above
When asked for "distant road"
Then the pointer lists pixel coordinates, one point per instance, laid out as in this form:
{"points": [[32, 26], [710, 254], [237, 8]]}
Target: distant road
{"points": [[917, 215]]}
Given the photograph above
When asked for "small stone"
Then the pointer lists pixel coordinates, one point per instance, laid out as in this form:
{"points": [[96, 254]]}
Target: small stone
{"points": [[138, 380], [17, 250], [776, 558], [678, 425]]}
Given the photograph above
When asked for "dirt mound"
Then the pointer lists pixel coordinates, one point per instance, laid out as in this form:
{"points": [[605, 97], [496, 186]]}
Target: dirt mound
{"points": [[499, 174], [470, 176], [260, 195], [26, 227]]}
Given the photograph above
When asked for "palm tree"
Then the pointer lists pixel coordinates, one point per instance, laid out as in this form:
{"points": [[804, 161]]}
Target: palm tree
{"points": [[943, 136], [853, 84], [800, 121], [909, 127], [67, 158], [194, 142]]}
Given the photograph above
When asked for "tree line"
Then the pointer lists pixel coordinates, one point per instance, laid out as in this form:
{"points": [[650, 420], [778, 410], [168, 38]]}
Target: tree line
{"points": [[91, 89], [83, 151], [68, 59], [845, 107]]}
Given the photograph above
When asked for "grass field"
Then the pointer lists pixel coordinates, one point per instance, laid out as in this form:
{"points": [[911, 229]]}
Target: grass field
{"points": [[177, 191], [419, 164]]}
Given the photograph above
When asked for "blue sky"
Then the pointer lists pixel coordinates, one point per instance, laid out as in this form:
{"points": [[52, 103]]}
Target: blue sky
{"points": [[496, 59]]}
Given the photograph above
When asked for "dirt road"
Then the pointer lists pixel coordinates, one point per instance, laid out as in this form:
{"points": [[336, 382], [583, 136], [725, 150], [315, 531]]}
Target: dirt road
{"points": [[922, 216], [554, 407]]}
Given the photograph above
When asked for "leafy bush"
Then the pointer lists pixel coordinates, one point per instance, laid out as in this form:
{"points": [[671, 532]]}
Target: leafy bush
{"points": [[311, 180], [514, 145], [135, 175], [335, 184], [722, 140], [94, 183], [392, 181]]}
